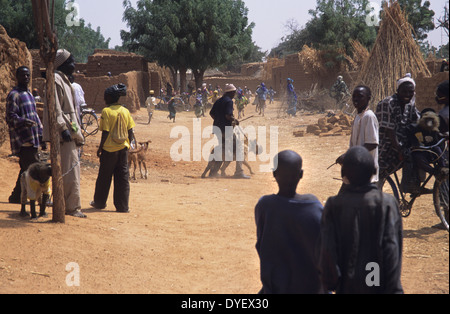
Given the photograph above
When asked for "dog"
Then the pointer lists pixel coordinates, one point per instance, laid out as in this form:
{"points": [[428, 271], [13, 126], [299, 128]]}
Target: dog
{"points": [[249, 146], [35, 182], [139, 156]]}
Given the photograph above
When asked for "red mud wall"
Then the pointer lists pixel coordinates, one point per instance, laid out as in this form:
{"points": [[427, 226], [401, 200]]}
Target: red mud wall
{"points": [[94, 87]]}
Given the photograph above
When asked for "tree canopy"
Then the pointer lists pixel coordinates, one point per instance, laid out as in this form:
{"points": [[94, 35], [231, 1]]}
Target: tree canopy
{"points": [[81, 40], [334, 24], [190, 34]]}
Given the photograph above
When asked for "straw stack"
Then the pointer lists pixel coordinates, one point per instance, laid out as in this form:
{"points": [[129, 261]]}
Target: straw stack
{"points": [[394, 54]]}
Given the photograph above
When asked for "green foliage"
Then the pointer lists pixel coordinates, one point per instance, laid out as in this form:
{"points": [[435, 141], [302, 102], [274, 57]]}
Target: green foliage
{"points": [[189, 34], [332, 26], [17, 18], [334, 23], [420, 16]]}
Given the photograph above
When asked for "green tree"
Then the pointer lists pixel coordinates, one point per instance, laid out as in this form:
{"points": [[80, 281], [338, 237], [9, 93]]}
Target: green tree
{"points": [[420, 16], [189, 34], [17, 18], [332, 26]]}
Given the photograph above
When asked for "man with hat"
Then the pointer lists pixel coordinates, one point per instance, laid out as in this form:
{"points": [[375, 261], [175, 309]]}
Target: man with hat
{"points": [[222, 114], [68, 126], [395, 114]]}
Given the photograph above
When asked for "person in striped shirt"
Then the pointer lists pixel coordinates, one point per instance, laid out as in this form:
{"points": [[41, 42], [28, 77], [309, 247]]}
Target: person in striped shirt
{"points": [[25, 127]]}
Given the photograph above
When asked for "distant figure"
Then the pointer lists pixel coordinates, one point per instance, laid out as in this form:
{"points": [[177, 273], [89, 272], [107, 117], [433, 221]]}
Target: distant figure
{"points": [[361, 238], [36, 96], [291, 98], [79, 95], [271, 94], [287, 230], [262, 92], [444, 65], [151, 103], [339, 91]]}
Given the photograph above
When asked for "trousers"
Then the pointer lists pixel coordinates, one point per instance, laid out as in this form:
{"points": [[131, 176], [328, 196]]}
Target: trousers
{"points": [[113, 165]]}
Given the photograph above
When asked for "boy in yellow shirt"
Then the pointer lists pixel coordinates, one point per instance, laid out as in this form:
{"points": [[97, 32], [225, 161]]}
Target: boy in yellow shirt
{"points": [[113, 153]]}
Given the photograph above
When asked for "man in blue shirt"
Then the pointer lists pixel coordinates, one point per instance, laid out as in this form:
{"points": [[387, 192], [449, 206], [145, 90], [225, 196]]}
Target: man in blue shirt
{"points": [[287, 230]]}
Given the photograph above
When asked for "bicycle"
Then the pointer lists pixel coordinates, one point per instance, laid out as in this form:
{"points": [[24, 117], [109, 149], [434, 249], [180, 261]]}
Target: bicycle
{"points": [[89, 121], [440, 188]]}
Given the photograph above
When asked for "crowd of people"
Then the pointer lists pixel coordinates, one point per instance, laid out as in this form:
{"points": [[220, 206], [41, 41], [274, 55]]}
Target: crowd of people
{"points": [[354, 243], [28, 133], [303, 247]]}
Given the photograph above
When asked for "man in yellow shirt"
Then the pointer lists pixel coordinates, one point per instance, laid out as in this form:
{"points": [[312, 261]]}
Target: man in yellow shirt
{"points": [[113, 154]]}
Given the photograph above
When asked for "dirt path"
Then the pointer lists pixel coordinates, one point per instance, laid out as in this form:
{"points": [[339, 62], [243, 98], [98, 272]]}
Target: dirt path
{"points": [[184, 234]]}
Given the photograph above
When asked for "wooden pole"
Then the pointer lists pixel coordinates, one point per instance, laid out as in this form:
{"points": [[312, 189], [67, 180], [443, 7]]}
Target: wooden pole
{"points": [[48, 47]]}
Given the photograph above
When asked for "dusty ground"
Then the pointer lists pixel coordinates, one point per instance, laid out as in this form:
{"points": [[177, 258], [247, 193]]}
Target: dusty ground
{"points": [[184, 234]]}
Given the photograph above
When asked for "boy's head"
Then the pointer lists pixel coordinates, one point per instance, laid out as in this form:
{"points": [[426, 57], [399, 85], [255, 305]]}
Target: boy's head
{"points": [[113, 93], [289, 169], [358, 166], [361, 97]]}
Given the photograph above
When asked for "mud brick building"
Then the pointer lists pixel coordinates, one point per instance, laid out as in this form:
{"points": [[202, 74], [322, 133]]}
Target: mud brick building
{"points": [[128, 68]]}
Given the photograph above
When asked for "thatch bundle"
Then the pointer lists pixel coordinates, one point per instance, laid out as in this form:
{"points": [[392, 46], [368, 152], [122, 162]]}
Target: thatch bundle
{"points": [[394, 54]]}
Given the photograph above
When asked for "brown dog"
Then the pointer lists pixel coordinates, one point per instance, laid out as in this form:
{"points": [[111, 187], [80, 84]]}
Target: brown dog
{"points": [[139, 156]]}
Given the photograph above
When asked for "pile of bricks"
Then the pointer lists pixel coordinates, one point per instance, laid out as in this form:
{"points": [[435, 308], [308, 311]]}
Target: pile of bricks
{"points": [[336, 125]]}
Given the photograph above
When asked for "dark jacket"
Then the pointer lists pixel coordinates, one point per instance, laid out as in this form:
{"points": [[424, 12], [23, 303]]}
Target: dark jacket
{"points": [[360, 227]]}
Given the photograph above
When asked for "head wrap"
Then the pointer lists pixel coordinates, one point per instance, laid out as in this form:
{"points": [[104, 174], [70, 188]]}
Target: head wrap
{"points": [[406, 79], [116, 90], [229, 88], [61, 56]]}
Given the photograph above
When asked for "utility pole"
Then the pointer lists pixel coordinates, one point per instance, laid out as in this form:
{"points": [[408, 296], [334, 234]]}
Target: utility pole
{"points": [[43, 13]]}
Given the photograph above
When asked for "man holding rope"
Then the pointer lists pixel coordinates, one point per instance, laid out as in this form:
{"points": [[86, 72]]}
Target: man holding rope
{"points": [[222, 114]]}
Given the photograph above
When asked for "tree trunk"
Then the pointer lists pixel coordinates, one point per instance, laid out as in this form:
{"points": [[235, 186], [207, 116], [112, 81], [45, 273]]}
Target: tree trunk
{"points": [[198, 76], [183, 80], [44, 22], [59, 204]]}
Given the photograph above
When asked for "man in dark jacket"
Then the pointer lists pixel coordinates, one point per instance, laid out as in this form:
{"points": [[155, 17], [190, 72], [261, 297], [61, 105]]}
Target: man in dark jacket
{"points": [[361, 234], [222, 114]]}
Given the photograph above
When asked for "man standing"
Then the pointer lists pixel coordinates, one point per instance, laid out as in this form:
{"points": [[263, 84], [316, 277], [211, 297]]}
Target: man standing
{"points": [[68, 125], [222, 114], [25, 127], [113, 152]]}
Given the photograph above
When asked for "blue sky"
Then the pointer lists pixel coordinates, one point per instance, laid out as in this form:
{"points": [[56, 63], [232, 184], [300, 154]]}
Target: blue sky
{"points": [[270, 17]]}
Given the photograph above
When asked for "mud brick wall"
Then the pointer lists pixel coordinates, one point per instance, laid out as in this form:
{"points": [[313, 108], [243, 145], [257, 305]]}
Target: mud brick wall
{"points": [[100, 64], [304, 81], [94, 87], [426, 90], [13, 54]]}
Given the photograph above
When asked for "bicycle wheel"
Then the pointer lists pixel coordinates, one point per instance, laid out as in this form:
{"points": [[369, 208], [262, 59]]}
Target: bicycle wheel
{"points": [[89, 123], [440, 200], [403, 204]]}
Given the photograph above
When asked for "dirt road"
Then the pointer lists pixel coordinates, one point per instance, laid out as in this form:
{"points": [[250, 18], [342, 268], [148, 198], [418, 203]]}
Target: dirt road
{"points": [[184, 234]]}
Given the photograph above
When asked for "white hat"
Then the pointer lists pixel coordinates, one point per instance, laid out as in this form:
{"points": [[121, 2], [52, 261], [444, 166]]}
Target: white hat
{"points": [[61, 56], [406, 79], [229, 88]]}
